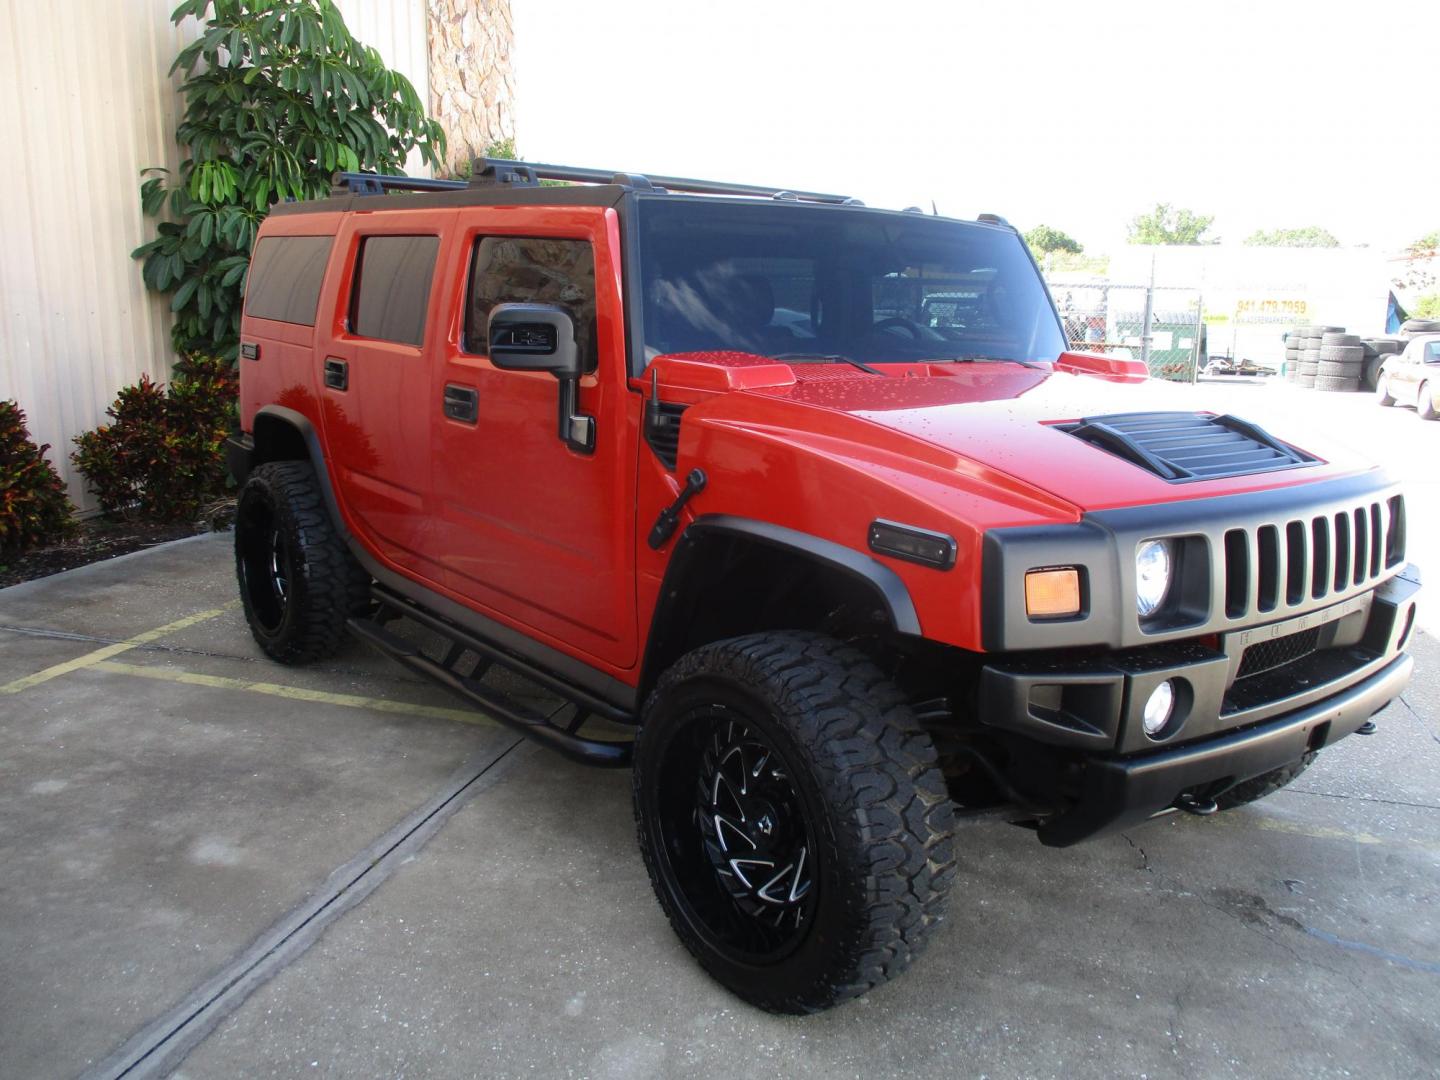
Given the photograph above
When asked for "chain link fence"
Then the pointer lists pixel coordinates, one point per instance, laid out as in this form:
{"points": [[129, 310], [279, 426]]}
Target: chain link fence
{"points": [[1162, 325]]}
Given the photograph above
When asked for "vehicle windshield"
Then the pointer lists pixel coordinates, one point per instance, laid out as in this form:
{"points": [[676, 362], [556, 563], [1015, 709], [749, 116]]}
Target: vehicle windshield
{"points": [[821, 284]]}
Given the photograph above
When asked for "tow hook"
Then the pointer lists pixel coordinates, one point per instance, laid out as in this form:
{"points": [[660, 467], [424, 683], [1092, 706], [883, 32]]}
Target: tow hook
{"points": [[1367, 728], [1192, 804]]}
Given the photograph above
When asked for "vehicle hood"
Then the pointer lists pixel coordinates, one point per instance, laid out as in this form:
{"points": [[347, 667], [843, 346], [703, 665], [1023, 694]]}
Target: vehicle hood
{"points": [[1002, 418]]}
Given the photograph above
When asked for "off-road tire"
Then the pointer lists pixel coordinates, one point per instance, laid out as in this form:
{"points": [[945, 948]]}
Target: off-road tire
{"points": [[1248, 791], [303, 619], [866, 782], [1346, 384], [1382, 391]]}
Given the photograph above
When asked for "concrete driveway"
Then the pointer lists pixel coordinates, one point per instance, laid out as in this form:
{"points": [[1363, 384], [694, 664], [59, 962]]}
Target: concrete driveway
{"points": [[220, 866]]}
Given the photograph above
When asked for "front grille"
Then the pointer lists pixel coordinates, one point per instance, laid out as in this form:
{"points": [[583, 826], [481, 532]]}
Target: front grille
{"points": [[1266, 656], [1287, 564], [1186, 446]]}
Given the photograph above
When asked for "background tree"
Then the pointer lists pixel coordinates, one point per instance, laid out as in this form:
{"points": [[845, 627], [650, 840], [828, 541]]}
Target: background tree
{"points": [[1167, 224], [1044, 240], [1306, 236], [278, 96], [1419, 274]]}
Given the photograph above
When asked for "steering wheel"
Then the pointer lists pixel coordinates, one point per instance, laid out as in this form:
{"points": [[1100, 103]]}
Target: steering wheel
{"points": [[897, 322]]}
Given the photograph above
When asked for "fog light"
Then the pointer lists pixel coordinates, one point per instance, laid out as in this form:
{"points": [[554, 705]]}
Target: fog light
{"points": [[1159, 708]]}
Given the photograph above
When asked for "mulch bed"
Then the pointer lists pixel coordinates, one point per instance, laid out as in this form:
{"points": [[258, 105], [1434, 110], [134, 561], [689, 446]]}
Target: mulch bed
{"points": [[96, 540]]}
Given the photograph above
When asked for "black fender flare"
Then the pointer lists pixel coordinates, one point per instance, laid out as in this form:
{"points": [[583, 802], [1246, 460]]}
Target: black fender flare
{"points": [[889, 590]]}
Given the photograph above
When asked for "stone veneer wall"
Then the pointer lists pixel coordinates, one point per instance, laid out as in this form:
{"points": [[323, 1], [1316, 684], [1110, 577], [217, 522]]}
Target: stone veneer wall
{"points": [[472, 78]]}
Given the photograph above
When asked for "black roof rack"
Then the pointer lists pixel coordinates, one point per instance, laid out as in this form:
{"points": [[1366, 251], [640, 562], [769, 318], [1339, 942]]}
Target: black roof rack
{"points": [[487, 171]]}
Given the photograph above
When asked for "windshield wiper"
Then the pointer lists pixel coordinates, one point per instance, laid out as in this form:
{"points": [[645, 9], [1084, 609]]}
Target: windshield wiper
{"points": [[827, 356], [984, 360]]}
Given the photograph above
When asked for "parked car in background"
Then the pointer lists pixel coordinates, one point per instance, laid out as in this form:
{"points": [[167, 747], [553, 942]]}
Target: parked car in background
{"points": [[1413, 377]]}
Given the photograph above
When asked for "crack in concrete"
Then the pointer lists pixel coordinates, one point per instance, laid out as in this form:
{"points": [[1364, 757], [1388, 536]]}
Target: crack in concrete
{"points": [[1144, 866], [1360, 798]]}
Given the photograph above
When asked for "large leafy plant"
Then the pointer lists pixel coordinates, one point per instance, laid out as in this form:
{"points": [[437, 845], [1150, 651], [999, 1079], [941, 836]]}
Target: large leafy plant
{"points": [[278, 96]]}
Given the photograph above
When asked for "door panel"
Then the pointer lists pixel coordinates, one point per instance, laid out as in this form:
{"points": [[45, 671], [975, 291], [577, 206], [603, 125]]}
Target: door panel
{"points": [[528, 529], [387, 331]]}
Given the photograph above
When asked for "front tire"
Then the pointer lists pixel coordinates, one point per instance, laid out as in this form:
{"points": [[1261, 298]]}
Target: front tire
{"points": [[1248, 791], [1382, 391], [1425, 403], [298, 580], [793, 819]]}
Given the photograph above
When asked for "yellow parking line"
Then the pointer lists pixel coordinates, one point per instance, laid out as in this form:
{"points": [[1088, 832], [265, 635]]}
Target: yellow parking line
{"points": [[295, 693], [90, 659]]}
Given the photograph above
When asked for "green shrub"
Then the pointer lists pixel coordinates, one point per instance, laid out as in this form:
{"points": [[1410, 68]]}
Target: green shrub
{"points": [[33, 506], [162, 457]]}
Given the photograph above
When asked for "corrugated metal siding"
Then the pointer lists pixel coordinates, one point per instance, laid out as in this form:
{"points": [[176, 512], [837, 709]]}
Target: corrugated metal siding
{"points": [[397, 29], [85, 104]]}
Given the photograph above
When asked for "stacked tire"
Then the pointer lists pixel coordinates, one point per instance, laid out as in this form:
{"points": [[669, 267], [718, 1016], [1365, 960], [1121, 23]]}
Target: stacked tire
{"points": [[1293, 345], [1341, 362], [1311, 345]]}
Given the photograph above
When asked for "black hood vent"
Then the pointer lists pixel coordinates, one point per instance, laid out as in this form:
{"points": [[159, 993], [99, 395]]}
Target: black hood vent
{"points": [[1184, 446], [662, 432]]}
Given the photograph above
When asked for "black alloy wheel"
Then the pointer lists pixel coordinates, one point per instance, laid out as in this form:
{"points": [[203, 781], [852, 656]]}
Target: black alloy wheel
{"points": [[298, 580], [793, 818]]}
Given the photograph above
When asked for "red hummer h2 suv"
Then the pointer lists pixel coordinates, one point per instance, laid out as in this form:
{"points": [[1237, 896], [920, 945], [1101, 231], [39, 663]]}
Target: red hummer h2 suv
{"points": [[810, 501]]}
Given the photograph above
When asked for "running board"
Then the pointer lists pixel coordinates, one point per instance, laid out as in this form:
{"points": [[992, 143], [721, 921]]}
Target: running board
{"points": [[513, 714]]}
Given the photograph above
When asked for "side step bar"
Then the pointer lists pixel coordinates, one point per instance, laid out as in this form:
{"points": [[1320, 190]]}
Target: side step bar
{"points": [[511, 713]]}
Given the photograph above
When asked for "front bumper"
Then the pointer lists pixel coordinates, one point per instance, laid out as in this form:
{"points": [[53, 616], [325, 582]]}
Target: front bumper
{"points": [[1124, 791], [1235, 724]]}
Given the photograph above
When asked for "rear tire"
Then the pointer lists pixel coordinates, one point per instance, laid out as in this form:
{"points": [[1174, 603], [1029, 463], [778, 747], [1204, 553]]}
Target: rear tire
{"points": [[1265, 784], [298, 580], [793, 818]]}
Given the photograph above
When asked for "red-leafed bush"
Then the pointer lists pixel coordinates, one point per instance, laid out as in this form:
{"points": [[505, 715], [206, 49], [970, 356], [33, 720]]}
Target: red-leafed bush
{"points": [[162, 457], [33, 506]]}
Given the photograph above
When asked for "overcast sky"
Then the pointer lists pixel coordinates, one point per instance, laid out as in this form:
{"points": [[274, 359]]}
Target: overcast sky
{"points": [[1077, 115]]}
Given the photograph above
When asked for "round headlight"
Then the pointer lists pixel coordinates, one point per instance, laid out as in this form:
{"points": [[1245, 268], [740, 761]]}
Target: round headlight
{"points": [[1152, 576]]}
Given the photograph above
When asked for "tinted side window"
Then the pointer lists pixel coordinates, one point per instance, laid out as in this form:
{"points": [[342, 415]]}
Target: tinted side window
{"points": [[531, 270], [392, 287], [285, 277]]}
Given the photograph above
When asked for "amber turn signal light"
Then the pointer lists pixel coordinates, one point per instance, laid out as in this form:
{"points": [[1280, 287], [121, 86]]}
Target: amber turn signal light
{"points": [[1052, 594]]}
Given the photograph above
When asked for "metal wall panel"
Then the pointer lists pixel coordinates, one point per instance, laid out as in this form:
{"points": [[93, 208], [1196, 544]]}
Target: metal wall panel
{"points": [[85, 104]]}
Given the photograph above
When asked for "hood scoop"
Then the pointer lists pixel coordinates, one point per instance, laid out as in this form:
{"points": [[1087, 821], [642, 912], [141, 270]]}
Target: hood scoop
{"points": [[1182, 446]]}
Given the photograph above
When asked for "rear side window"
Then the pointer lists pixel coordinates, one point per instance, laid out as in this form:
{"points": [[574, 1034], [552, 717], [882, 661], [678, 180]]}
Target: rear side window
{"points": [[532, 270], [392, 287], [285, 277]]}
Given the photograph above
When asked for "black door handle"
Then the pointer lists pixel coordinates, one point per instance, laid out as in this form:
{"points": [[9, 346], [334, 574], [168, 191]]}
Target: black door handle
{"points": [[337, 373], [462, 403]]}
